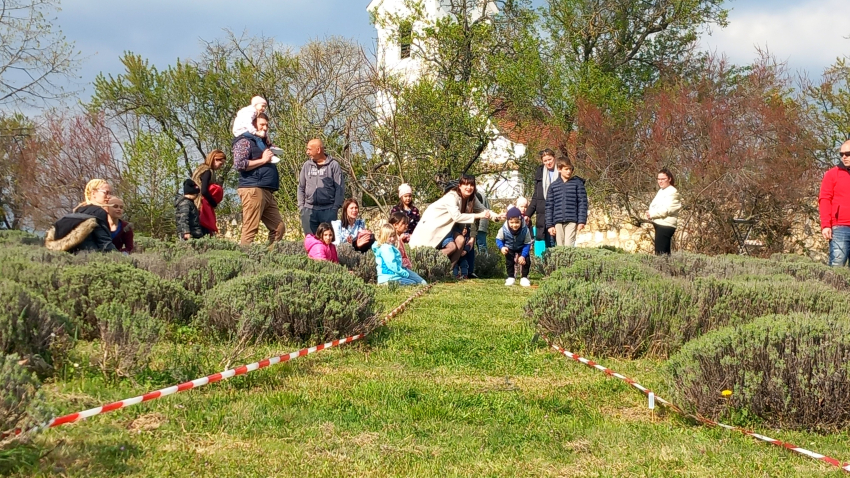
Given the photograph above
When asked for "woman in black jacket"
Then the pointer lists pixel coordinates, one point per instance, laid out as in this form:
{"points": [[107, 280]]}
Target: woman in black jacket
{"points": [[87, 228], [538, 200]]}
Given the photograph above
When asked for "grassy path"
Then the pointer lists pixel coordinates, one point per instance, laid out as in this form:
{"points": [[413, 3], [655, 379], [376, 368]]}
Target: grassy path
{"points": [[452, 387]]}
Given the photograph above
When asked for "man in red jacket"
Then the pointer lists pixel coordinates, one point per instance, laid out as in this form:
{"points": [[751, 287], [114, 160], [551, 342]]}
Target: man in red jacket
{"points": [[834, 208]]}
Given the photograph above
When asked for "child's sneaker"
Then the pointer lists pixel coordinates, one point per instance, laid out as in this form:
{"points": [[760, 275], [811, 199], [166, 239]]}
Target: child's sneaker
{"points": [[525, 282], [275, 160], [510, 281]]}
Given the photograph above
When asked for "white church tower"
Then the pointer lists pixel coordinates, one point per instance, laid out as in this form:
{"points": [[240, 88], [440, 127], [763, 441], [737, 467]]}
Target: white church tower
{"points": [[396, 55]]}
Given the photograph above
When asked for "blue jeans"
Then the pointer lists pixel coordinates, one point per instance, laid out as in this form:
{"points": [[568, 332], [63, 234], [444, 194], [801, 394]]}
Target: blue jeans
{"points": [[466, 264], [839, 246], [414, 279]]}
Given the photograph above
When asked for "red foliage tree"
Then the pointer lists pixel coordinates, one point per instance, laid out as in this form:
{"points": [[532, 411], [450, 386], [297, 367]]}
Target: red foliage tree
{"points": [[737, 141]]}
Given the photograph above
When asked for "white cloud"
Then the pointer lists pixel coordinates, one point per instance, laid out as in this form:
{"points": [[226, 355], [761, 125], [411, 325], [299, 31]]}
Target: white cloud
{"points": [[808, 36]]}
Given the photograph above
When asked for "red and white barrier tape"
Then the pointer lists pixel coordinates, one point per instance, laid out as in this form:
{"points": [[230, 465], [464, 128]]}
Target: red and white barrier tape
{"points": [[216, 377], [707, 421]]}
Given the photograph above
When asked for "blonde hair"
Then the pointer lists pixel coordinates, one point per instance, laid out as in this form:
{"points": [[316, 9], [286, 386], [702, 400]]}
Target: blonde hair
{"points": [[88, 193], [387, 231]]}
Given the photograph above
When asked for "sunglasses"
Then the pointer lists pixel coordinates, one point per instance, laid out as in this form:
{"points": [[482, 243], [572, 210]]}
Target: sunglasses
{"points": [[844, 153]]}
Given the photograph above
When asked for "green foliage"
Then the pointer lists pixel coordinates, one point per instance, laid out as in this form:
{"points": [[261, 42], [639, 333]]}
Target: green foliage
{"points": [[81, 289], [492, 265], [288, 304], [290, 248], [126, 340], [207, 243], [626, 319], [196, 272], [476, 70], [603, 268], [275, 262], [22, 403], [788, 371], [32, 328], [14, 237], [150, 244], [431, 264], [150, 184], [362, 264], [630, 305], [557, 257]]}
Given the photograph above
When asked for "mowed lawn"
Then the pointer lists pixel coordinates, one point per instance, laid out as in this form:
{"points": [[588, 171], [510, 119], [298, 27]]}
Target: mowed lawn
{"points": [[454, 386]]}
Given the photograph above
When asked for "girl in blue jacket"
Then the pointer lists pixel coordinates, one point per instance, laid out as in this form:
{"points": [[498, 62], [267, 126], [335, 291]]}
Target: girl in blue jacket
{"points": [[388, 259]]}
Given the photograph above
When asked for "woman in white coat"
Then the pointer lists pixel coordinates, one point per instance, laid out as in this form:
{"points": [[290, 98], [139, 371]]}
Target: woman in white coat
{"points": [[442, 222], [664, 211]]}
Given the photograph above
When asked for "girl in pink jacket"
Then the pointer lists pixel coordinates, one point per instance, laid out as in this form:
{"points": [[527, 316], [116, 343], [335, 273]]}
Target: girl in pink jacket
{"points": [[320, 246]]}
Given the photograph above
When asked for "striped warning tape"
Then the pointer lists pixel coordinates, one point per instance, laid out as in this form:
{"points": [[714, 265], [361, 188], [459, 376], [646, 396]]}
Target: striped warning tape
{"points": [[216, 377], [701, 419]]}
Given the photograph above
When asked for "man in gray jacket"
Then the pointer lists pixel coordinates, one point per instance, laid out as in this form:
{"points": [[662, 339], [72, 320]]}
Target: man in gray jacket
{"points": [[321, 188]]}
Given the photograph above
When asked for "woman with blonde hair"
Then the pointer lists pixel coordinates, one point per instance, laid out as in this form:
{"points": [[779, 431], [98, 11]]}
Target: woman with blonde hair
{"points": [[87, 228], [211, 192], [388, 259]]}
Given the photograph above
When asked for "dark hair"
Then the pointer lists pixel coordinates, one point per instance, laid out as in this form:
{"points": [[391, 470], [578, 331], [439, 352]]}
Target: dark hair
{"points": [[344, 219], [320, 231], [546, 152], [398, 217], [564, 163], [466, 205], [667, 173]]}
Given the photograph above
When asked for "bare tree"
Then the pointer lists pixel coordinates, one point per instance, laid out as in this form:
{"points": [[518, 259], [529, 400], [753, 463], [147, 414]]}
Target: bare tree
{"points": [[34, 55]]}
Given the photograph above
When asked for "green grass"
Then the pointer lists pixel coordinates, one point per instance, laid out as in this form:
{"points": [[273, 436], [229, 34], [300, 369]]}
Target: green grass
{"points": [[453, 386]]}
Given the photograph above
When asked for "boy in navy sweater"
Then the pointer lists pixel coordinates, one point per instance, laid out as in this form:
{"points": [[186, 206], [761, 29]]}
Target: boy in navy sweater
{"points": [[566, 205], [514, 240]]}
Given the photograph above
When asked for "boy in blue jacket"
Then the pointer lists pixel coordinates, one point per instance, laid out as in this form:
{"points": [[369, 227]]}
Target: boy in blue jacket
{"points": [[514, 240], [566, 205]]}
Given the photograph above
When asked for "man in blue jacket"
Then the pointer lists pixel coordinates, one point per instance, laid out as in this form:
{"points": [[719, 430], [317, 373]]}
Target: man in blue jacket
{"points": [[258, 181]]}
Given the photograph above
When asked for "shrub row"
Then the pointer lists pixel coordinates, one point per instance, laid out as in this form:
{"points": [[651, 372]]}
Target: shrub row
{"points": [[289, 304], [788, 371], [617, 305]]}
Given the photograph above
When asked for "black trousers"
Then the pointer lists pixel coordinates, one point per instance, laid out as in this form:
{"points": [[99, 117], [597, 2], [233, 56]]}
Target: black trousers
{"points": [[663, 238], [510, 261]]}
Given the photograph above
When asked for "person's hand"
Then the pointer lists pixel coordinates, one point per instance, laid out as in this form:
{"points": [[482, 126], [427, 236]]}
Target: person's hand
{"points": [[552, 231], [827, 233], [579, 227], [187, 236], [504, 250], [470, 241], [521, 260], [267, 156]]}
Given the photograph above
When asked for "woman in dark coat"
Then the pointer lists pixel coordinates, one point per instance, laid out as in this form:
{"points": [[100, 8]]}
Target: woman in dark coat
{"points": [[538, 200], [87, 228]]}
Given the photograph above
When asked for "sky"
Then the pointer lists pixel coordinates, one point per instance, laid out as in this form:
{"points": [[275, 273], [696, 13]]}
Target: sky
{"points": [[807, 34]]}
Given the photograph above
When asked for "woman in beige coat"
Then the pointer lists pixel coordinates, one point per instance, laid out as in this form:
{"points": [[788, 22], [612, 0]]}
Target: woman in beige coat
{"points": [[442, 222], [664, 211]]}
